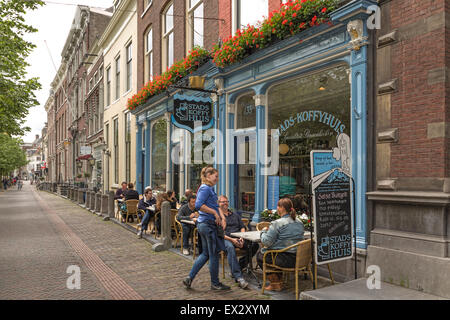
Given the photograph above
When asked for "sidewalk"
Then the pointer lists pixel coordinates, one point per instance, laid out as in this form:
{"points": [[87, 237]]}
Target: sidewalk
{"points": [[287, 294], [357, 290], [152, 275]]}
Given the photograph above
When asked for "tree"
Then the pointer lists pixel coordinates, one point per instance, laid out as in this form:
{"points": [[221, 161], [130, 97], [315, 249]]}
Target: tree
{"points": [[12, 156], [16, 92]]}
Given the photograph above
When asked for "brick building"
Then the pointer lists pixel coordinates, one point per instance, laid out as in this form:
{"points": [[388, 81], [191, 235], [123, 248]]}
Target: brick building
{"points": [[67, 116], [410, 230]]}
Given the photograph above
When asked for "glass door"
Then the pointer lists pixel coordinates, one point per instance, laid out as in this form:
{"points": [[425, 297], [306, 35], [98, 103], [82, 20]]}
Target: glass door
{"points": [[244, 172]]}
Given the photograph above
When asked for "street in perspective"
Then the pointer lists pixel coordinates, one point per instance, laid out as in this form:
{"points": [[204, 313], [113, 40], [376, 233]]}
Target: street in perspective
{"points": [[236, 153]]}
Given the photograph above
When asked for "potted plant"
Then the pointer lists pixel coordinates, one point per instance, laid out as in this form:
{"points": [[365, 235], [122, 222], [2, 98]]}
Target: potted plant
{"points": [[307, 222], [269, 215]]}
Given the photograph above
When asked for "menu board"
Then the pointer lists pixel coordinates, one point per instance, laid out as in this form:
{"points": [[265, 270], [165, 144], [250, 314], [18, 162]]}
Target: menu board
{"points": [[333, 219]]}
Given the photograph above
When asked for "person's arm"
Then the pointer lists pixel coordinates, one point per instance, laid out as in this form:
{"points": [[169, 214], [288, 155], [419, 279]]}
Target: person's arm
{"points": [[268, 237]]}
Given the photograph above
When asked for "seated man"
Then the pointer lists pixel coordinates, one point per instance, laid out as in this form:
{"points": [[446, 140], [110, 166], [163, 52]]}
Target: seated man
{"points": [[147, 204], [187, 212], [119, 192], [235, 224], [187, 193], [129, 194]]}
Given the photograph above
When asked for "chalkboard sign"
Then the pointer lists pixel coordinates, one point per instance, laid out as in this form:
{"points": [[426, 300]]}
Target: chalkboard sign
{"points": [[333, 219]]}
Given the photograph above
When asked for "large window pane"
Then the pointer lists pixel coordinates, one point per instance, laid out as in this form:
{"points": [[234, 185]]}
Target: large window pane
{"points": [[170, 50], [169, 19], [251, 11], [309, 113], [159, 155], [246, 112], [198, 26]]}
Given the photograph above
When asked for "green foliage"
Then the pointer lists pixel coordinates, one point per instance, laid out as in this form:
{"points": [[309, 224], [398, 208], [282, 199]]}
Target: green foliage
{"points": [[16, 92], [11, 154]]}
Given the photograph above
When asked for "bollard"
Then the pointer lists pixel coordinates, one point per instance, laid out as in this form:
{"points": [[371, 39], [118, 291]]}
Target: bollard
{"points": [[166, 234], [80, 198], [88, 199], [104, 204], [111, 208], [98, 202], [91, 200]]}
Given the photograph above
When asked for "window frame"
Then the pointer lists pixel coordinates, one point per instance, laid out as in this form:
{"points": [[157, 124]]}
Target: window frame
{"points": [[117, 77], [129, 66], [148, 64], [165, 38], [190, 24]]}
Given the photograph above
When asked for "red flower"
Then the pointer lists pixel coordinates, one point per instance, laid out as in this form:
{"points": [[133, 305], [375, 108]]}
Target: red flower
{"points": [[294, 14], [284, 22], [324, 10]]}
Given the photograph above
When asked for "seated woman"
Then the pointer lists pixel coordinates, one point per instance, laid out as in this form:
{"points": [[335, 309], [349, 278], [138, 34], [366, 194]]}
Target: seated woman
{"points": [[173, 201], [147, 204], [282, 233]]}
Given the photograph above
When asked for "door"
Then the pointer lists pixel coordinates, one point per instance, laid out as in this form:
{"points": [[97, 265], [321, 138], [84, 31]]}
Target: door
{"points": [[244, 172]]}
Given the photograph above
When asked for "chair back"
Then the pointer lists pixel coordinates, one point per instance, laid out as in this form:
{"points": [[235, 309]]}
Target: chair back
{"points": [[173, 216], [262, 225], [303, 257], [132, 206], [246, 222]]}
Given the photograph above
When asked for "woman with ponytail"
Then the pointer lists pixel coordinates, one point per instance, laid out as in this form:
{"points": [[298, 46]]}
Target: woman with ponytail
{"points": [[208, 223], [282, 233]]}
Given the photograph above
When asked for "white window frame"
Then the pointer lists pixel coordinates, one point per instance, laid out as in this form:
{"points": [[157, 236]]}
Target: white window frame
{"points": [[148, 65], [190, 24], [165, 38], [129, 66]]}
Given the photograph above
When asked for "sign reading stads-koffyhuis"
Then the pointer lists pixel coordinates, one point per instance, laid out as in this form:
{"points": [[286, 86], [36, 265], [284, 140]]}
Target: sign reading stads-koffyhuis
{"points": [[189, 111]]}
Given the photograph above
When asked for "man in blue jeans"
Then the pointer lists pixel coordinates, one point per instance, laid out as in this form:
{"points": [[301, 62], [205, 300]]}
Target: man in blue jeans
{"points": [[234, 224]]}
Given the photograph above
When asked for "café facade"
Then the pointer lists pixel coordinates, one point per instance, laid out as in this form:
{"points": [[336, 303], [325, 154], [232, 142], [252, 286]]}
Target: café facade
{"points": [[304, 91]]}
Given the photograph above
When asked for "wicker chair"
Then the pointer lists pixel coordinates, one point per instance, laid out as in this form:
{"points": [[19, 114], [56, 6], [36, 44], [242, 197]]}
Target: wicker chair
{"points": [[131, 208], [174, 225], [262, 225], [302, 263]]}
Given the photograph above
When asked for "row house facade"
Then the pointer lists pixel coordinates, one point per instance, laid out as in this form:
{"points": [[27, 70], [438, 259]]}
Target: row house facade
{"points": [[387, 91], [67, 114]]}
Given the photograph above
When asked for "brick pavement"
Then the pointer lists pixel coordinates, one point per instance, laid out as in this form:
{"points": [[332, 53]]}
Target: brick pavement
{"points": [[125, 258]]}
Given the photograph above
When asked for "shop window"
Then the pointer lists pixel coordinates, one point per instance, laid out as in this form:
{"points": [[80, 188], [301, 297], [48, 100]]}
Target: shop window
{"points": [[159, 155], [246, 112], [309, 113]]}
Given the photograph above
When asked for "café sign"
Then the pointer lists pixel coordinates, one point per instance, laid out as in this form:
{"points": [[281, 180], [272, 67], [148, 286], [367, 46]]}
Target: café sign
{"points": [[189, 111]]}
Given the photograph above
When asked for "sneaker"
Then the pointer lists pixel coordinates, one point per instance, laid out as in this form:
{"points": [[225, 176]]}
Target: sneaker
{"points": [[140, 234], [242, 283], [187, 282], [186, 252], [220, 286]]}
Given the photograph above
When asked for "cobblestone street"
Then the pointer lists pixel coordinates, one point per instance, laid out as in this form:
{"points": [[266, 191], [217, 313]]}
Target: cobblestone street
{"points": [[42, 234]]}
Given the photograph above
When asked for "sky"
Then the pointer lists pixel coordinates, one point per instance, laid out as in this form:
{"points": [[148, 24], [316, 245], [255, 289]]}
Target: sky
{"points": [[53, 22]]}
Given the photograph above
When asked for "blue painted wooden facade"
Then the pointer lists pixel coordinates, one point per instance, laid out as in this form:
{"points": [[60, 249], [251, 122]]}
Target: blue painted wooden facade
{"points": [[317, 48]]}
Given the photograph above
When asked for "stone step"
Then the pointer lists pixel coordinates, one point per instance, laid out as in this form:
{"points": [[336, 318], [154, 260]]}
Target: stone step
{"points": [[357, 290]]}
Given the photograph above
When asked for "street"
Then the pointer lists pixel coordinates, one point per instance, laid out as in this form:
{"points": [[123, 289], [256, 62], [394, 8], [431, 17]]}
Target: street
{"points": [[44, 237]]}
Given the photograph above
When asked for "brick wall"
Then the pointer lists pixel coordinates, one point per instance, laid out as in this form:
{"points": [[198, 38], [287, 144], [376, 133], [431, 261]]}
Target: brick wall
{"points": [[418, 61], [153, 18]]}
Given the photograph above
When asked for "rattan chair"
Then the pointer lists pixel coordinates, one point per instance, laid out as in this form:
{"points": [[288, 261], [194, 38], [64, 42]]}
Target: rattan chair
{"points": [[131, 208], [174, 225], [262, 225], [302, 263]]}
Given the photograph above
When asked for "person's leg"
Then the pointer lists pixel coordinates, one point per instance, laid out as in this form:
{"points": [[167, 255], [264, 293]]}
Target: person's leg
{"points": [[186, 234], [145, 221], [232, 260], [203, 257]]}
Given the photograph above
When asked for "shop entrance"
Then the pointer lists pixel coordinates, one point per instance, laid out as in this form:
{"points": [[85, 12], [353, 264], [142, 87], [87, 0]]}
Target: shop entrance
{"points": [[244, 171]]}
